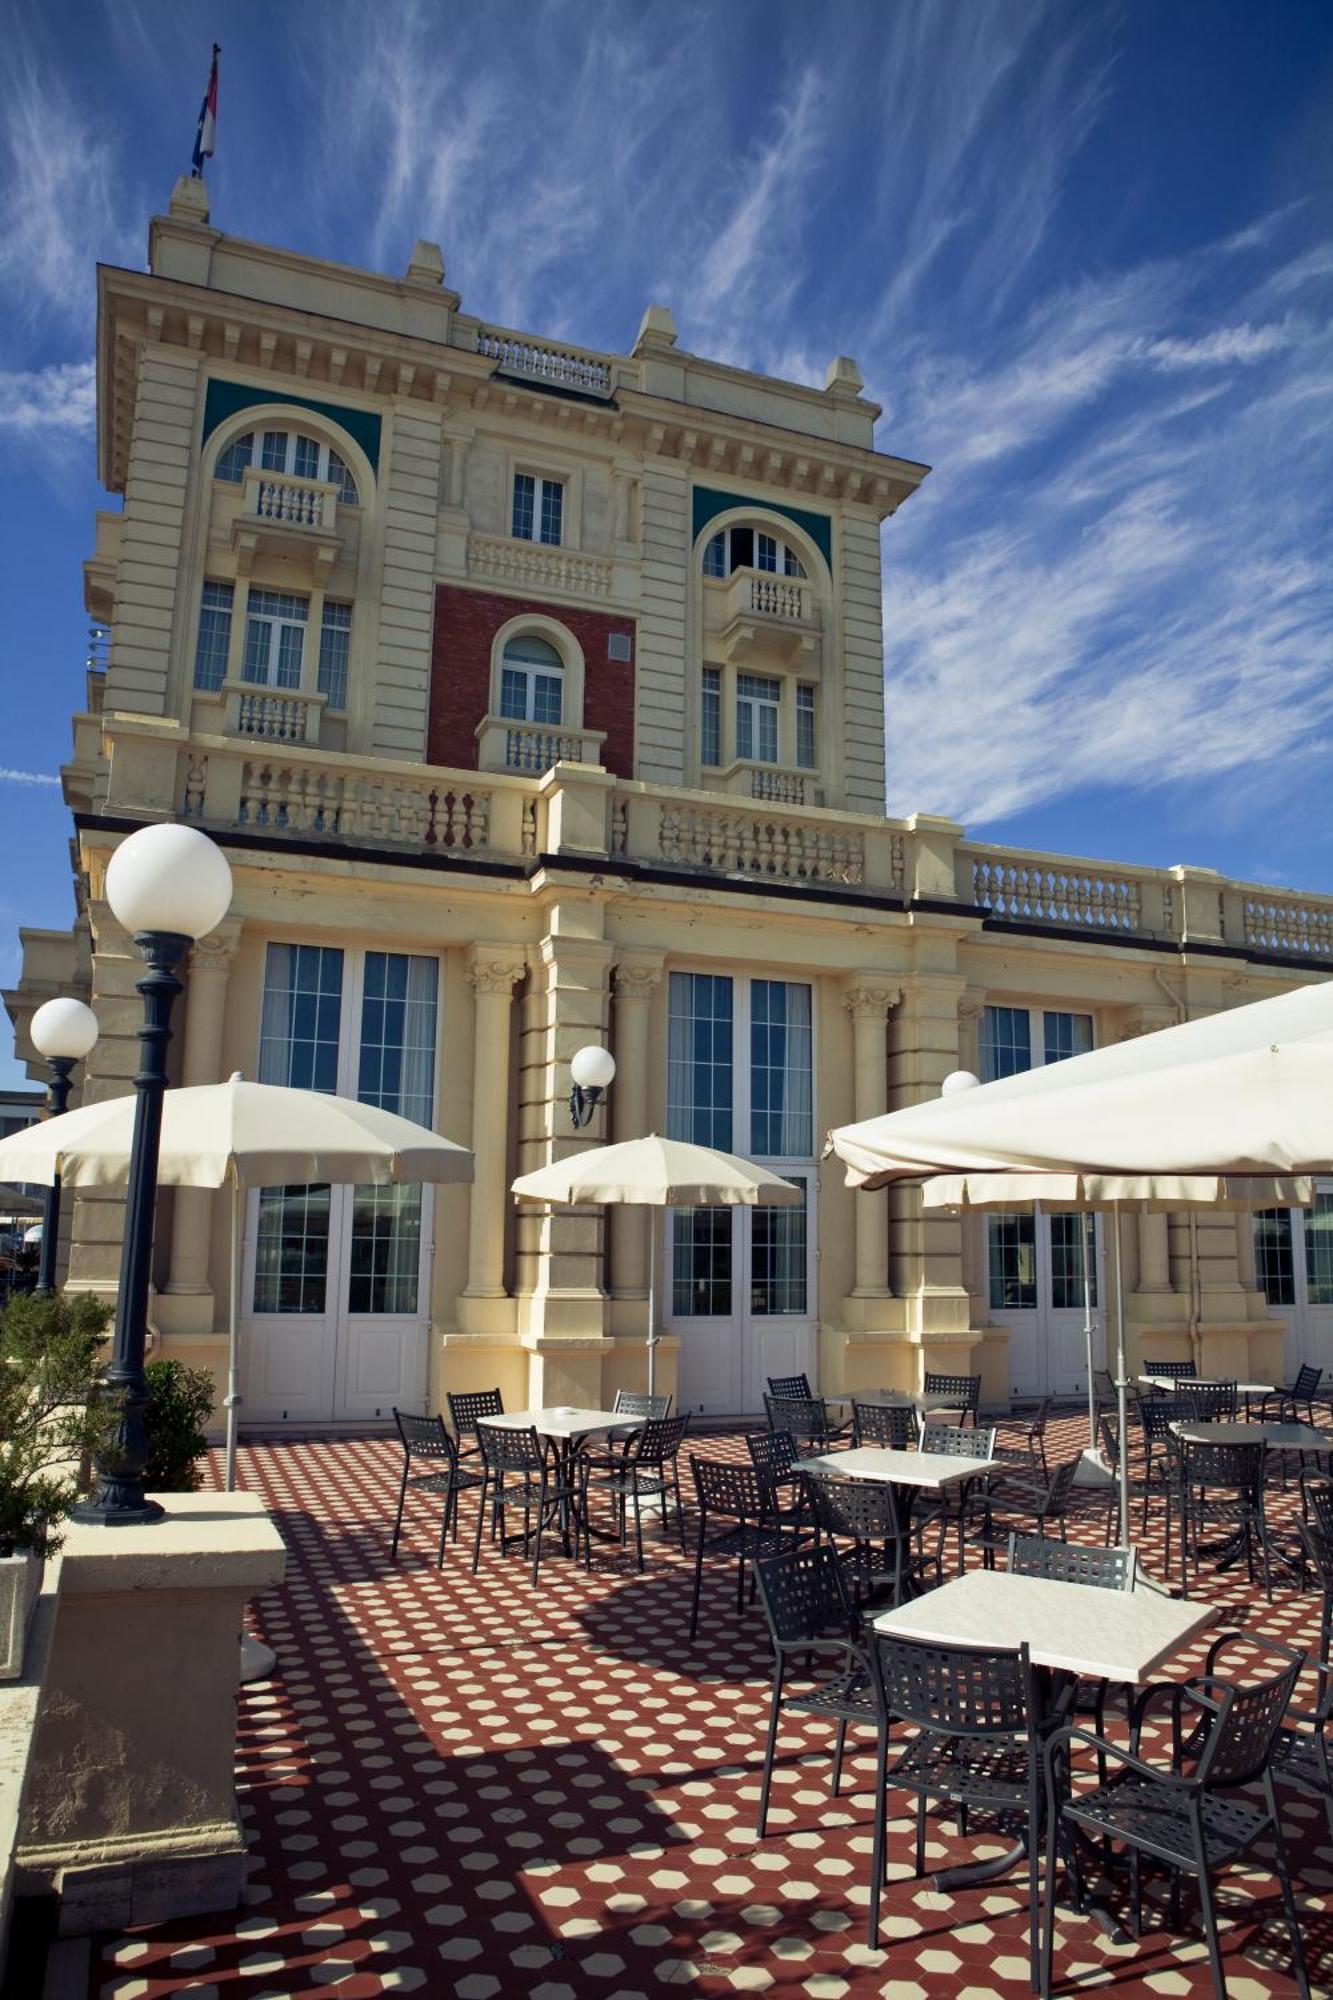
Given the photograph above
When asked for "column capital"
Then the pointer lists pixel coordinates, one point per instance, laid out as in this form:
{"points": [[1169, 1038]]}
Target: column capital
{"points": [[638, 973], [868, 996], [496, 968], [215, 952]]}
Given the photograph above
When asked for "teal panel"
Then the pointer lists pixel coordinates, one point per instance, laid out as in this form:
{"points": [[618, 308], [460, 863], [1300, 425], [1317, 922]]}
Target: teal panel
{"points": [[709, 503], [228, 399]]}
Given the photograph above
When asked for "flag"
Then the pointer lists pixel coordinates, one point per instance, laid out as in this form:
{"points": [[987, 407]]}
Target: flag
{"points": [[208, 118]]}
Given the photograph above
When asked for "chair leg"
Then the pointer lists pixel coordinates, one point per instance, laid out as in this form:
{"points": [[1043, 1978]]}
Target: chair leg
{"points": [[1288, 1899], [638, 1522], [1048, 1895], [444, 1525], [481, 1520], [770, 1751], [541, 1516], [877, 1844], [698, 1581], [836, 1777], [398, 1517], [1209, 1916], [920, 1833]]}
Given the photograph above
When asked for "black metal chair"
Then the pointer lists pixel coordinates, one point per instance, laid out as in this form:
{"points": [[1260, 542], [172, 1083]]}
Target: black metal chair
{"points": [[791, 1388], [606, 1453], [1192, 1816], [987, 1513], [1300, 1756], [774, 1454], [1295, 1400], [874, 1518], [977, 1714], [947, 1509], [892, 1426], [1073, 1562], [736, 1495], [1209, 1402], [1104, 1394], [519, 1472], [1161, 1457], [648, 1469], [427, 1440], [465, 1409], [953, 1392], [1020, 1440], [1222, 1484], [806, 1604], [1175, 1371], [808, 1420]]}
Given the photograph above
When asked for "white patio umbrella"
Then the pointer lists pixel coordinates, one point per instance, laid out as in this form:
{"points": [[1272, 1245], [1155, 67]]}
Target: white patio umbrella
{"points": [[656, 1173], [238, 1134]]}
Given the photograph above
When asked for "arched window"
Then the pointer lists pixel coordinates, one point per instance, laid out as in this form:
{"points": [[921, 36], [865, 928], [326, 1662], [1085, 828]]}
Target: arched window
{"points": [[532, 680], [290, 452], [750, 548]]}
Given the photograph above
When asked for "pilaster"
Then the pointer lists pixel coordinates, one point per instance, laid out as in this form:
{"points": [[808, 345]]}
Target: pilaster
{"points": [[638, 975], [187, 1305], [868, 997], [484, 1306]]}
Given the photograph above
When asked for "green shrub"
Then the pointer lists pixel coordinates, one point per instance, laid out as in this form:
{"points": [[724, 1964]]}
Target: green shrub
{"points": [[53, 1413], [180, 1403]]}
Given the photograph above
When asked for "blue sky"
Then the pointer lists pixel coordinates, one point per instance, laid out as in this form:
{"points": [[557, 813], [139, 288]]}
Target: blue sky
{"points": [[1083, 254]]}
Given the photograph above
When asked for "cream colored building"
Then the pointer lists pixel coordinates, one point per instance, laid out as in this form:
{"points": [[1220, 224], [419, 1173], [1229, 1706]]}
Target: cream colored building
{"points": [[536, 697]]}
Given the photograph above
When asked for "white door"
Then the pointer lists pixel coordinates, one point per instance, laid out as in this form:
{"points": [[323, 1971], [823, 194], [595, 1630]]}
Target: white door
{"points": [[1293, 1254], [1035, 1278], [337, 1279], [740, 1298], [739, 1285]]}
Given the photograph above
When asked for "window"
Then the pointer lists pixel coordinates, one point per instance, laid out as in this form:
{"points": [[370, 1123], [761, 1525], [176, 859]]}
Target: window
{"points": [[749, 548], [701, 1262], [1071, 1237], [1009, 1035], [778, 1259], [302, 1019], [1274, 1258], [1065, 1035], [710, 718], [275, 623], [335, 638], [289, 452], [757, 702], [214, 643], [539, 506], [532, 679], [1013, 1263], [1286, 1277], [780, 1070], [699, 1059], [805, 726]]}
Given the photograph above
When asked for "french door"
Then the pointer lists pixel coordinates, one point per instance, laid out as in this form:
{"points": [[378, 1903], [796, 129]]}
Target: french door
{"points": [[337, 1279], [1294, 1262], [739, 1283], [1035, 1265]]}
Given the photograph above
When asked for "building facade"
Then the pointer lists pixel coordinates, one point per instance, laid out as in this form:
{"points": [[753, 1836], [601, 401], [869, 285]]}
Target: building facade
{"points": [[536, 697]]}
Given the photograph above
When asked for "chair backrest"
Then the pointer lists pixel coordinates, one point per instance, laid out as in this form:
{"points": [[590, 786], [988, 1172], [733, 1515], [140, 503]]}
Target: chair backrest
{"points": [[1178, 1370], [511, 1450], [1307, 1381], [636, 1403], [1109, 1434], [1054, 1503], [892, 1425], [953, 1392], [1157, 1414], [1103, 1388], [1237, 1468], [1240, 1739], [659, 1440], [1209, 1402], [862, 1510], [803, 1595], [465, 1408], [1319, 1494], [785, 1386], [1073, 1562], [957, 1690], [721, 1487], [424, 1437], [953, 1441], [803, 1416], [1317, 1541], [773, 1452]]}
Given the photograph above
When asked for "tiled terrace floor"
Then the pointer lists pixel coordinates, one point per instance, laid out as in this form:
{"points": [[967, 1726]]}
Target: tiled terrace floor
{"points": [[466, 1786]]}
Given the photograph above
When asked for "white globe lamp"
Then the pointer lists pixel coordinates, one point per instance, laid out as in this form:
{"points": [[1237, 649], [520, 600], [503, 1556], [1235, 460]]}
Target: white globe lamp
{"points": [[591, 1072], [63, 1030], [169, 878], [957, 1081]]}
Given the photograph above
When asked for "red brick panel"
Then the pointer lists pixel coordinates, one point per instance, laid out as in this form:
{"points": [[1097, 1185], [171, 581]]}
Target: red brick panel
{"points": [[466, 622]]}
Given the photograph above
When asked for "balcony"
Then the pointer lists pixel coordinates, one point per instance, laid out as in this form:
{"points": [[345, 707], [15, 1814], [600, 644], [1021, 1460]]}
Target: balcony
{"points": [[271, 715], [533, 566], [758, 615], [287, 517], [580, 369], [776, 784], [534, 747]]}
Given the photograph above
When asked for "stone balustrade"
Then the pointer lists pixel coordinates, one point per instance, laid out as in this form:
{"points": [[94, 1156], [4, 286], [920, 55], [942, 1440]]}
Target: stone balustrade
{"points": [[500, 559], [1049, 889], [286, 501], [272, 715], [568, 367], [506, 745]]}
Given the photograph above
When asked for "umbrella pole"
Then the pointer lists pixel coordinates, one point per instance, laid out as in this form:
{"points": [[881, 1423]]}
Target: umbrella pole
{"points": [[233, 1399], [1089, 1244], [652, 1301], [1122, 1406]]}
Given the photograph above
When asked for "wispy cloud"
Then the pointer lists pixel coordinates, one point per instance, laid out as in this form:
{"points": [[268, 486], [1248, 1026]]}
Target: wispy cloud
{"points": [[10, 777], [61, 399]]}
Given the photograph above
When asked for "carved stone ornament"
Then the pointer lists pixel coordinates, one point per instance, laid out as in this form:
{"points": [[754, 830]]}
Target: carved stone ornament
{"points": [[496, 974], [868, 1000]]}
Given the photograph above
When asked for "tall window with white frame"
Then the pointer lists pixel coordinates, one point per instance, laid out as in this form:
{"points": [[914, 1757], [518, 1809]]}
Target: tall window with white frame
{"points": [[275, 628], [758, 708], [806, 748], [710, 717], [214, 641], [290, 453], [532, 681], [538, 508]]}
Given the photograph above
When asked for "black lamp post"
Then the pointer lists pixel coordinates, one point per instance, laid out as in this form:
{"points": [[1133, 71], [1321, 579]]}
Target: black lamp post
{"points": [[63, 1031], [168, 885]]}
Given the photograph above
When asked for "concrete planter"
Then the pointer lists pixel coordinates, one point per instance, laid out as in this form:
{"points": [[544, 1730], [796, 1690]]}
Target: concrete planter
{"points": [[20, 1582]]}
